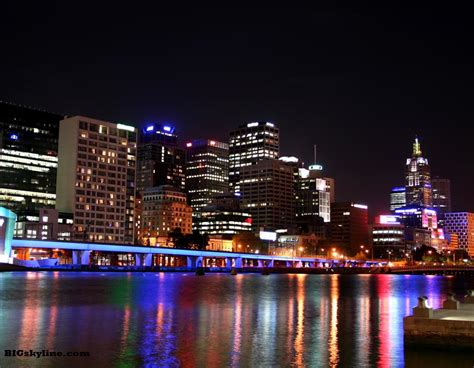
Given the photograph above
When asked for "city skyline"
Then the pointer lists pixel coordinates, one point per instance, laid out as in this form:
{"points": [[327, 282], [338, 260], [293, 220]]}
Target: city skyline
{"points": [[236, 186], [359, 83], [378, 204]]}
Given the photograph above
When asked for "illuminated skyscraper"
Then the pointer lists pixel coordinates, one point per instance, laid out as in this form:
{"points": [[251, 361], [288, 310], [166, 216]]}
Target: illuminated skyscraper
{"points": [[418, 179], [249, 144], [207, 171], [160, 161], [96, 178], [313, 198], [397, 198], [268, 194], [28, 158]]}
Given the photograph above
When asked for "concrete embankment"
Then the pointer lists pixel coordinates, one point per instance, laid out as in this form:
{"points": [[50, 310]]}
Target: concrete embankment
{"points": [[451, 327]]}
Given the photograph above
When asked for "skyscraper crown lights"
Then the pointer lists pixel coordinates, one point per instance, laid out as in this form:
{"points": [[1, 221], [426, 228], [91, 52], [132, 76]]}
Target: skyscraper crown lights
{"points": [[165, 128]]}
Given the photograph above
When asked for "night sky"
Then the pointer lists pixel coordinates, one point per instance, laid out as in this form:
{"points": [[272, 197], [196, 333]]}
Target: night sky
{"points": [[359, 83]]}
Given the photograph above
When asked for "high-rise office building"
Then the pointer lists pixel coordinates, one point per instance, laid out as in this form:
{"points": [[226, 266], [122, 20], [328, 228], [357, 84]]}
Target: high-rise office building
{"points": [[423, 224], [313, 197], [441, 196], [387, 237], [160, 160], [164, 209], [223, 216], [249, 144], [331, 188], [418, 179], [268, 194], [349, 227], [28, 158], [397, 198], [462, 225], [207, 171], [96, 178]]}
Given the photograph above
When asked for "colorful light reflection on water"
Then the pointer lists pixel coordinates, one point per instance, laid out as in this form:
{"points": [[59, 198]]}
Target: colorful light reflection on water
{"points": [[184, 320]]}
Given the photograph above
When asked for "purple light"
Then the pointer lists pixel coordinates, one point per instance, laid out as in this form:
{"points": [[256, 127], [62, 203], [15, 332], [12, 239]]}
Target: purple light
{"points": [[167, 128], [13, 137], [398, 189], [150, 128]]}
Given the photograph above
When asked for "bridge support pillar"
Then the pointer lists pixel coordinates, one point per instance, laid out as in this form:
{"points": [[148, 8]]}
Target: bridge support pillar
{"points": [[299, 264], [228, 262], [147, 260], [200, 262], [270, 263], [81, 257], [238, 262], [191, 262], [260, 263], [138, 259], [289, 263]]}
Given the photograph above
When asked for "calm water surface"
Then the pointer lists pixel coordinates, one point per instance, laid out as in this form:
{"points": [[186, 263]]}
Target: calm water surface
{"points": [[166, 319]]}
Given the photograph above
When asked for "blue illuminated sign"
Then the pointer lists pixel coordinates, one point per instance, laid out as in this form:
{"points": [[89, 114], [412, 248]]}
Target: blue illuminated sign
{"points": [[150, 128], [167, 128], [14, 137]]}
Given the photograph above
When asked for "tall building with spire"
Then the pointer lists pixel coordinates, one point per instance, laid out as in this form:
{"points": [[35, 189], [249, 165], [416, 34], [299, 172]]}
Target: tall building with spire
{"points": [[418, 178]]}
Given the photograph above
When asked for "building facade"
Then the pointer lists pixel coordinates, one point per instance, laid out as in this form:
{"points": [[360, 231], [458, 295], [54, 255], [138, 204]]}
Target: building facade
{"points": [[418, 179], [96, 179], [349, 227], [207, 172], [47, 223], [223, 216], [397, 198], [164, 209], [461, 224], [267, 192], [249, 144], [160, 160], [441, 196], [387, 237], [313, 201], [28, 158]]}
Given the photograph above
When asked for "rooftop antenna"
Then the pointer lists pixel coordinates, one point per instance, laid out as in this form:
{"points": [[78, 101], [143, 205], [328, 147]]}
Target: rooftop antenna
{"points": [[314, 147]]}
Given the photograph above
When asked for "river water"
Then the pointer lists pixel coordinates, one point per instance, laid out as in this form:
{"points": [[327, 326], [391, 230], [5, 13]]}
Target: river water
{"points": [[219, 320]]}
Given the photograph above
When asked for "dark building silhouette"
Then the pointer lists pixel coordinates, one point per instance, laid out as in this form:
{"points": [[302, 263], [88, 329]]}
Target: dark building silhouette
{"points": [[349, 227], [160, 160]]}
